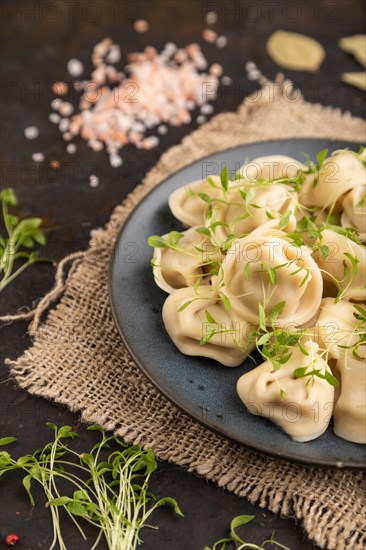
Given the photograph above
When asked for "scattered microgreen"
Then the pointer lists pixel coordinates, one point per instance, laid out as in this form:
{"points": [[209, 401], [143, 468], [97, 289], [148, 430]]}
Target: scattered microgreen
{"points": [[275, 343], [184, 306], [171, 240], [226, 301], [224, 177], [21, 234], [107, 488], [302, 372], [234, 538], [361, 202], [285, 219], [314, 168], [360, 332]]}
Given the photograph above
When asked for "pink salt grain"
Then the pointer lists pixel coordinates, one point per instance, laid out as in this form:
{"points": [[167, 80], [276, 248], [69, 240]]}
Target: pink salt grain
{"points": [[209, 35], [216, 69], [60, 88], [140, 25], [159, 88]]}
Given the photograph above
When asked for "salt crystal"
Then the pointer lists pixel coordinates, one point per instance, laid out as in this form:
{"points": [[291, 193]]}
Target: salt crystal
{"points": [[95, 144], [153, 141], [254, 74], [38, 157], [71, 148], [60, 88], [211, 17], [249, 66], [54, 118], [31, 132], [65, 108], [201, 119], [75, 67], [221, 42], [114, 54], [141, 25], [93, 181], [226, 81], [216, 69], [209, 35], [207, 109], [115, 160], [55, 103], [162, 129], [64, 124]]}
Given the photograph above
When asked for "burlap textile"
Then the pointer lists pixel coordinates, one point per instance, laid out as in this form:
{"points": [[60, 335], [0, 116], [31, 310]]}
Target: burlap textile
{"points": [[78, 359]]}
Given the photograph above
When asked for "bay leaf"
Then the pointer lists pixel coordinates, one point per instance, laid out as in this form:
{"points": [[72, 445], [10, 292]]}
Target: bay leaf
{"points": [[356, 45], [355, 79], [295, 51]]}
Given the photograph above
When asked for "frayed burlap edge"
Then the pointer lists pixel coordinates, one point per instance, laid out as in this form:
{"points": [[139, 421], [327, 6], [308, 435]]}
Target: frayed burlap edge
{"points": [[78, 359]]}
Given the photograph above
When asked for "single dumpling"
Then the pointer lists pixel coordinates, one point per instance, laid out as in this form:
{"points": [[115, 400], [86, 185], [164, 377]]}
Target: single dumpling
{"points": [[188, 261], [267, 270], [350, 409], [343, 267], [337, 175], [249, 206], [339, 330], [271, 167], [199, 324], [354, 211], [302, 406], [335, 327], [187, 205]]}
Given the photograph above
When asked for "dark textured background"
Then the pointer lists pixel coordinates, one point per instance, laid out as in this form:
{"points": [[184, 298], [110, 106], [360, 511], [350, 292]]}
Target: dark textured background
{"points": [[37, 39]]}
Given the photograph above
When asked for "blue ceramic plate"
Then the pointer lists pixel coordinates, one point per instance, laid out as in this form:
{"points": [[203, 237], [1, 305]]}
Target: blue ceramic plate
{"points": [[203, 388]]}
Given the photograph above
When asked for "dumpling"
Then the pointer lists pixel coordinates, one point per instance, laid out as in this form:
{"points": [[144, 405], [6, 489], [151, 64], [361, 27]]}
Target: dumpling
{"points": [[206, 314], [268, 270], [350, 409], [181, 268], [241, 215], [337, 268], [338, 326], [271, 167], [187, 206], [338, 174], [335, 326], [302, 407], [354, 211]]}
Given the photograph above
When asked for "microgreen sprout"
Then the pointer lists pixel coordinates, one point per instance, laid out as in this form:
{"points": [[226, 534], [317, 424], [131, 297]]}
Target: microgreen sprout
{"points": [[359, 332], [314, 168], [240, 544], [22, 235], [108, 489]]}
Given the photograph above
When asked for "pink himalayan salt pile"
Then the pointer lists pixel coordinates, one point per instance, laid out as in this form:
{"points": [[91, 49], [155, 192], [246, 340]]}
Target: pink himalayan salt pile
{"points": [[160, 88]]}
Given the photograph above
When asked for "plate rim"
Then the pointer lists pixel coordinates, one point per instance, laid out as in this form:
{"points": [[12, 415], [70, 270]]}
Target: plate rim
{"points": [[256, 447]]}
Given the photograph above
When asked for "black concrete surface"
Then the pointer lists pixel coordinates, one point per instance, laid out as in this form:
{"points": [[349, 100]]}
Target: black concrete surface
{"points": [[37, 39]]}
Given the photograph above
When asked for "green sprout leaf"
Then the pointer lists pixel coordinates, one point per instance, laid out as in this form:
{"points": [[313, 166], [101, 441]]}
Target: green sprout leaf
{"points": [[7, 440], [224, 177], [21, 234], [157, 242]]}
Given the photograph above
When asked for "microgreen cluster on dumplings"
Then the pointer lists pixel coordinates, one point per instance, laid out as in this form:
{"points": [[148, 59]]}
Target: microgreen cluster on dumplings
{"points": [[274, 260]]}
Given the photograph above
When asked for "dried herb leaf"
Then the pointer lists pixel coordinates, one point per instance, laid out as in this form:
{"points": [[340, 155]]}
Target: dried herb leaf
{"points": [[356, 45], [355, 79], [295, 51]]}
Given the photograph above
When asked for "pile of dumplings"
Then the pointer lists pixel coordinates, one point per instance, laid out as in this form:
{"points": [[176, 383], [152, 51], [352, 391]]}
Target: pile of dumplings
{"points": [[273, 258]]}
